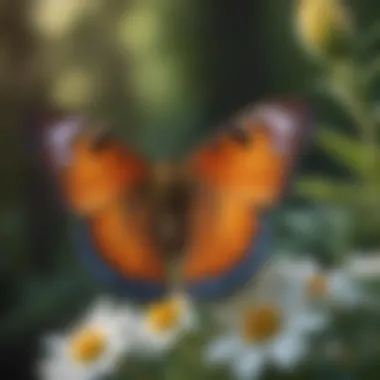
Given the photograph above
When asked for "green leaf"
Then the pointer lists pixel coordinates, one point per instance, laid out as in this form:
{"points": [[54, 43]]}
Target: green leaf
{"points": [[346, 150], [372, 70], [325, 190], [44, 301], [370, 37]]}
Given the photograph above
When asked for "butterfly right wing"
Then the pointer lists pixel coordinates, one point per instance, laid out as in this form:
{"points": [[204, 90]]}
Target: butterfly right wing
{"points": [[243, 174], [229, 243]]}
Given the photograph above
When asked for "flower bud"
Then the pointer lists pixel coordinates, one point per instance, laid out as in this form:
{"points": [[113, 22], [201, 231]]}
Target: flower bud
{"points": [[324, 26]]}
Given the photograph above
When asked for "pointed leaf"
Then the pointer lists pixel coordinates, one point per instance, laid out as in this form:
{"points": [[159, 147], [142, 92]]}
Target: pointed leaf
{"points": [[373, 70], [370, 37], [325, 190], [346, 150]]}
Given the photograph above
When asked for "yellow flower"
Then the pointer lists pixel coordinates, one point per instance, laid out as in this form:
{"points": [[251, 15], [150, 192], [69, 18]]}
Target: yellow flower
{"points": [[317, 285], [164, 316], [93, 347], [337, 286], [323, 25], [165, 323], [272, 331], [87, 345], [261, 323]]}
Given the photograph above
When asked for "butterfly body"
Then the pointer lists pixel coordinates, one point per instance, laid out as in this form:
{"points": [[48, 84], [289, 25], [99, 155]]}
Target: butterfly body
{"points": [[217, 231]]}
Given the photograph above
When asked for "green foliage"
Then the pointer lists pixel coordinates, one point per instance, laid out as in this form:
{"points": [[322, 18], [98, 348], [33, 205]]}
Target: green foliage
{"points": [[328, 191], [348, 80], [149, 86], [366, 40], [348, 151], [322, 232]]}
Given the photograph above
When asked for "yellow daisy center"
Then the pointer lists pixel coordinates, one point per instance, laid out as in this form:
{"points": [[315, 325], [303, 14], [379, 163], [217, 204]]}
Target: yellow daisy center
{"points": [[317, 285], [163, 316], [261, 323], [88, 345]]}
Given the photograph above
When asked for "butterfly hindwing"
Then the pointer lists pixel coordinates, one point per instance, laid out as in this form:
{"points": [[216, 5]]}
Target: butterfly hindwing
{"points": [[229, 243], [118, 255]]}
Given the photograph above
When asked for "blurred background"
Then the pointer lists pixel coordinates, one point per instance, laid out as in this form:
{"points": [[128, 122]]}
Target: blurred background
{"points": [[164, 74]]}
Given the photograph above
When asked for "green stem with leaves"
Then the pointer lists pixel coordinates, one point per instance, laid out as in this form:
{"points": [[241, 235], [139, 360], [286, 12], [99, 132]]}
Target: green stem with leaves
{"points": [[349, 85]]}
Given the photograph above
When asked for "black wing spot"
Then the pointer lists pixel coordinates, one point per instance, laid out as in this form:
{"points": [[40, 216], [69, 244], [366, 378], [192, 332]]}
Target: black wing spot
{"points": [[102, 140], [240, 136]]}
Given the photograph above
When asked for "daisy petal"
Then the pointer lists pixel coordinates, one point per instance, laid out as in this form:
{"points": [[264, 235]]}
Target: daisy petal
{"points": [[57, 370], [340, 282], [250, 365], [220, 350], [344, 289], [52, 344], [288, 350], [102, 308], [311, 321]]}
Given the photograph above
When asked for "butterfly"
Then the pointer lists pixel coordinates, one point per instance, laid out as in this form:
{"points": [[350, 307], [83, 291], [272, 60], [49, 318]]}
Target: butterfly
{"points": [[206, 217]]}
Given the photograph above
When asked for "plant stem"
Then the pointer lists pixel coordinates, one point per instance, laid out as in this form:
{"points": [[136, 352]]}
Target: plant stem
{"points": [[350, 89]]}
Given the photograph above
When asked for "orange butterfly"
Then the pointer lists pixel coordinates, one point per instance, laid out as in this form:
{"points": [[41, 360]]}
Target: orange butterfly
{"points": [[212, 208]]}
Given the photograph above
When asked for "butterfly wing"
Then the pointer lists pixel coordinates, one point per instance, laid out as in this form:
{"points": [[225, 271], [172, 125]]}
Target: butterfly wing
{"points": [[256, 155], [229, 243], [99, 177], [115, 248], [243, 173]]}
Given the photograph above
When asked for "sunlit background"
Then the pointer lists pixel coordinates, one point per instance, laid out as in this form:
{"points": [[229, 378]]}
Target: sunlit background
{"points": [[164, 74]]}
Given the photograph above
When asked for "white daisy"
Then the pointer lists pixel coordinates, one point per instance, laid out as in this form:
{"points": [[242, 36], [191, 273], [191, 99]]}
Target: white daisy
{"points": [[272, 329], [93, 347], [164, 323], [335, 286], [364, 266]]}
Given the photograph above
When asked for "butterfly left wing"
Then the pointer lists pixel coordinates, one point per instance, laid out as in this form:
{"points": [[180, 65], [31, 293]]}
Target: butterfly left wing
{"points": [[243, 173], [100, 173], [99, 177], [116, 248]]}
